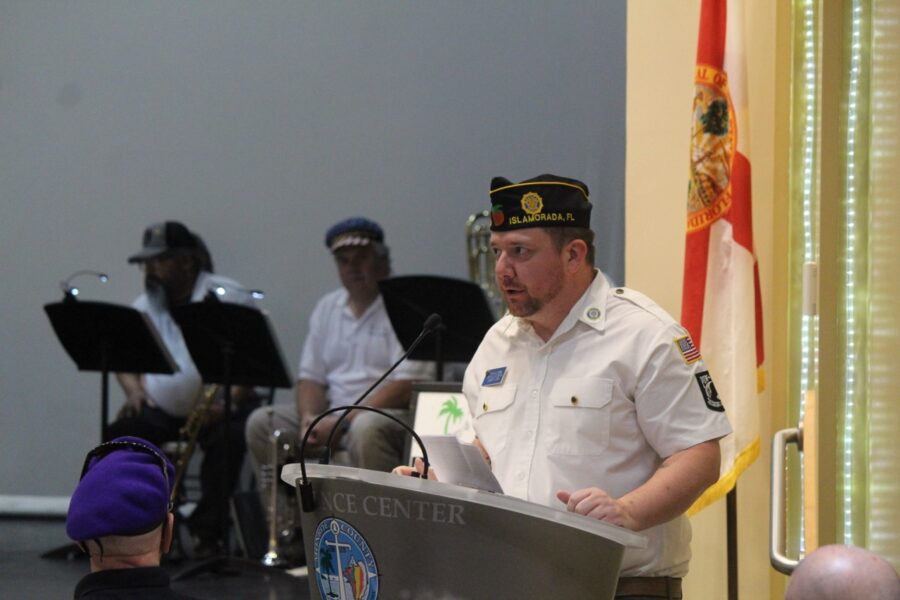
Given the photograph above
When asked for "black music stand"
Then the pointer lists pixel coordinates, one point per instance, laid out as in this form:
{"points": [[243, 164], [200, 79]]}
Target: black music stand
{"points": [[105, 337], [464, 310], [230, 344]]}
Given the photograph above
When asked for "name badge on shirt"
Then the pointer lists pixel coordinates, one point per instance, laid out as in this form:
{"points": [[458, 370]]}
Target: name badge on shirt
{"points": [[494, 376]]}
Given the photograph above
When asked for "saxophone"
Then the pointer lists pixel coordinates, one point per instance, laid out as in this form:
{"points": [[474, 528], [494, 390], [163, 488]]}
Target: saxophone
{"points": [[188, 433]]}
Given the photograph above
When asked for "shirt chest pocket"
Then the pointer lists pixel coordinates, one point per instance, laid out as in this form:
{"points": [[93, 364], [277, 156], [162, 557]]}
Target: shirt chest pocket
{"points": [[493, 417], [580, 416]]}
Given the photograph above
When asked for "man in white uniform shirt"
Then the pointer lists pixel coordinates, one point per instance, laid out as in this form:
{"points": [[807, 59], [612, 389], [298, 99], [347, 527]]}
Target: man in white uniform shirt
{"points": [[588, 397], [350, 344], [177, 269]]}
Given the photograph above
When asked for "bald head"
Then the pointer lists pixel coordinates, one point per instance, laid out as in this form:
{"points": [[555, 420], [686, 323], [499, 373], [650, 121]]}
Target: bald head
{"points": [[835, 571]]}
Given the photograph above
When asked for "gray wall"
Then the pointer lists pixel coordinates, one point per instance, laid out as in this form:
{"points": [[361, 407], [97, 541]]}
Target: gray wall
{"points": [[259, 125]]}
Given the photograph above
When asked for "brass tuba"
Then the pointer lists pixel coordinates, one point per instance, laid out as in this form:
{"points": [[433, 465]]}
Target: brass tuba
{"points": [[481, 259]]}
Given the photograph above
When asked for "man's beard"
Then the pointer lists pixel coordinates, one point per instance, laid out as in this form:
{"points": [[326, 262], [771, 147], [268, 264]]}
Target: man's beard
{"points": [[524, 308], [158, 290], [528, 305]]}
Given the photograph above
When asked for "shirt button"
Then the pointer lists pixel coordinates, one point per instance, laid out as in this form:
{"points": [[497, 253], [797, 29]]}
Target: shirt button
{"points": [[484, 407], [533, 393], [528, 435], [574, 400], [620, 291], [520, 476]]}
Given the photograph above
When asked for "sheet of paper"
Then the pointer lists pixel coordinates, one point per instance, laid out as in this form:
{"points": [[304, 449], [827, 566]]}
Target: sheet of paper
{"points": [[460, 464]]}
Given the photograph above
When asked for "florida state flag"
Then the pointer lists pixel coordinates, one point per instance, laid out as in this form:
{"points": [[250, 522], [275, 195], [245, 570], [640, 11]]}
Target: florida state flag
{"points": [[721, 301]]}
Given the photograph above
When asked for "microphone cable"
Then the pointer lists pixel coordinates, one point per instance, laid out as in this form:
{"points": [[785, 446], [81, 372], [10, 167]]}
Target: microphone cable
{"points": [[307, 501], [305, 487]]}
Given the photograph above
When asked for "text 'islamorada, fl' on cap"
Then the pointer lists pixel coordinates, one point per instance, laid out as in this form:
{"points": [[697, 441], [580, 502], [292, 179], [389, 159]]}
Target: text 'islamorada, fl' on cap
{"points": [[543, 201]]}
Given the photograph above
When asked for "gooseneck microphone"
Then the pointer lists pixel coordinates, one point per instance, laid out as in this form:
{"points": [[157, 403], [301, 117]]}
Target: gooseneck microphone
{"points": [[307, 501], [432, 323]]}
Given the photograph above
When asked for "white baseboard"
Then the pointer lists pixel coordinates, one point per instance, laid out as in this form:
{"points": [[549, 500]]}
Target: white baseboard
{"points": [[34, 506]]}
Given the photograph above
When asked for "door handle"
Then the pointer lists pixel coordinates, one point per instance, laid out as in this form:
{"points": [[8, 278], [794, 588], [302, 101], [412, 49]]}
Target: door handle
{"points": [[777, 500]]}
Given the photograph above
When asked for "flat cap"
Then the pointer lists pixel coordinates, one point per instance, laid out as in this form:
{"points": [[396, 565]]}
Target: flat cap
{"points": [[355, 231]]}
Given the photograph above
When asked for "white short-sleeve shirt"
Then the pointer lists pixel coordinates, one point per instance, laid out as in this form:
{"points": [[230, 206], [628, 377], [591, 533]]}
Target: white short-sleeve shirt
{"points": [[175, 394], [617, 389], [347, 355]]}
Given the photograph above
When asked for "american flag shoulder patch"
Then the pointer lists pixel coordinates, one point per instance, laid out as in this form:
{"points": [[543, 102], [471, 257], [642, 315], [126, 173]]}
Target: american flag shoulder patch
{"points": [[688, 350]]}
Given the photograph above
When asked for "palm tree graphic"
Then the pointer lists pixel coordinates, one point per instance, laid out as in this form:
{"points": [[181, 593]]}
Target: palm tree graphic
{"points": [[451, 411]]}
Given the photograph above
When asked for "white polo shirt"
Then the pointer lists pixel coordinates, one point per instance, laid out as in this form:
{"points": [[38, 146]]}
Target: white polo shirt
{"points": [[347, 354], [618, 388], [175, 394]]}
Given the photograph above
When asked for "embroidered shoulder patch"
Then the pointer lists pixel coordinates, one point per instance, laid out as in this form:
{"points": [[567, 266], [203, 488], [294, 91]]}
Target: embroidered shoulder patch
{"points": [[708, 390], [689, 351]]}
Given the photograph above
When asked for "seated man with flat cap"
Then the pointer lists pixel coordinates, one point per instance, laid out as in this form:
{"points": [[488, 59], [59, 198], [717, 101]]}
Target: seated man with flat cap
{"points": [[177, 270], [120, 515], [350, 344]]}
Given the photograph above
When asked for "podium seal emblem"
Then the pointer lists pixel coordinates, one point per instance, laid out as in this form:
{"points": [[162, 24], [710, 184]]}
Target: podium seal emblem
{"points": [[345, 567]]}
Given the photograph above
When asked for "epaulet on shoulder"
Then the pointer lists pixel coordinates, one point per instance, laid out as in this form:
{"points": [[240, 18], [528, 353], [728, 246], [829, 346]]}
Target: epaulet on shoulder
{"points": [[643, 302]]}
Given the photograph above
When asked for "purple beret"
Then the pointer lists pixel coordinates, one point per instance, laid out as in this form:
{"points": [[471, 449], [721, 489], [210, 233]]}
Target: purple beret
{"points": [[124, 490]]}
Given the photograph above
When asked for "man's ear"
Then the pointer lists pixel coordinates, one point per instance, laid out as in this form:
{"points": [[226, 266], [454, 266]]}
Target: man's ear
{"points": [[575, 254], [168, 529]]}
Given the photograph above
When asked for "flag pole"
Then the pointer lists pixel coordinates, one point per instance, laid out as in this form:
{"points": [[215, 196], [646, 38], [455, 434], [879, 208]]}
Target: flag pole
{"points": [[732, 542]]}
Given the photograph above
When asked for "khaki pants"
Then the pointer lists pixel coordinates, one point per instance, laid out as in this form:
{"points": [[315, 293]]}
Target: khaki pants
{"points": [[373, 441]]}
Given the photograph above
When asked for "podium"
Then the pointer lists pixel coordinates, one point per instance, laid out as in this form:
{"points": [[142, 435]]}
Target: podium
{"points": [[377, 534]]}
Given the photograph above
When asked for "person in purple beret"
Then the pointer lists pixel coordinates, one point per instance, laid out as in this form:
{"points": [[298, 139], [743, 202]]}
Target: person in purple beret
{"points": [[121, 516]]}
